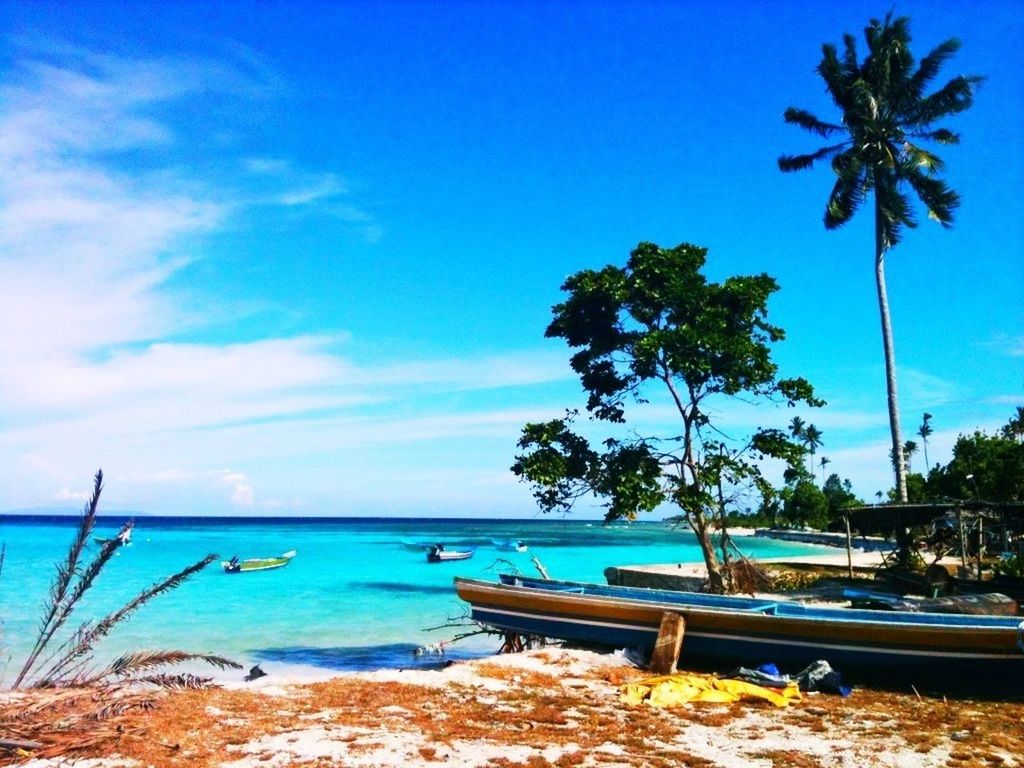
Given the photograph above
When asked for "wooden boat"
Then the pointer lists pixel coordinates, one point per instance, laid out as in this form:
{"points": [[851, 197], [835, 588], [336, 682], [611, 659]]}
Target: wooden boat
{"points": [[234, 565], [438, 554], [509, 545], [748, 631]]}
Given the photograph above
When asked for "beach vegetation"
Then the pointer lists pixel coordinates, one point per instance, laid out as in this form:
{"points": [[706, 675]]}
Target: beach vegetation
{"points": [[71, 662], [878, 150], [839, 495], [984, 468], [658, 336]]}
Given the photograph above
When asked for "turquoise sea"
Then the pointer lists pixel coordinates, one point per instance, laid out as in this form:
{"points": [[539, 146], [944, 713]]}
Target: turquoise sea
{"points": [[355, 597]]}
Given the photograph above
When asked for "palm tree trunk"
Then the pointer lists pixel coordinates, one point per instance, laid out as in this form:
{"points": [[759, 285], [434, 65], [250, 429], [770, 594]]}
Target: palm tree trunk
{"points": [[890, 358]]}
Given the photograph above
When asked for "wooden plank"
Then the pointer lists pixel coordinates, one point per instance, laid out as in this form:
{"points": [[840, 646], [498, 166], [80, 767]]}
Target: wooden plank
{"points": [[669, 644]]}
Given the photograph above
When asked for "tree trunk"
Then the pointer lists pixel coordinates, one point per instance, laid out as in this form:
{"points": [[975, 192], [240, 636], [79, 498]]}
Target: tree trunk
{"points": [[699, 523], [890, 358]]}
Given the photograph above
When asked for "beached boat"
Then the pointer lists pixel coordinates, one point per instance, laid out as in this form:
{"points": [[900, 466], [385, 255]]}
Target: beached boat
{"points": [[510, 545], [438, 554], [726, 630], [234, 565]]}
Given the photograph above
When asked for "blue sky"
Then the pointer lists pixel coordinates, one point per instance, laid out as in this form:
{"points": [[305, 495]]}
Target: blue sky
{"points": [[298, 258]]}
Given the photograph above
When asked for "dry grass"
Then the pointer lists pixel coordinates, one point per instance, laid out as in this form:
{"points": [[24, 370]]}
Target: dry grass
{"points": [[526, 718]]}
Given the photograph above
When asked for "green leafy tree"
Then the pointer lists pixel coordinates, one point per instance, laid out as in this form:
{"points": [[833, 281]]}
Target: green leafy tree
{"points": [[658, 331], [839, 495], [989, 466], [886, 115], [805, 505]]}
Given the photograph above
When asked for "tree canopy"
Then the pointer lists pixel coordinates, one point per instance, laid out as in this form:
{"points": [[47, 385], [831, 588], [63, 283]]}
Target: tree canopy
{"points": [[658, 331]]}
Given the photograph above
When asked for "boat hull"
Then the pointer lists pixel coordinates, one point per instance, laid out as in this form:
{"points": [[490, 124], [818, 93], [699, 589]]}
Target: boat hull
{"points": [[448, 556], [738, 631], [258, 564]]}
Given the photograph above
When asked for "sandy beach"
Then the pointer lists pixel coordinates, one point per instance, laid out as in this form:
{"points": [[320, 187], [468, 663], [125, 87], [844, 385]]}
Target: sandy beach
{"points": [[547, 707]]}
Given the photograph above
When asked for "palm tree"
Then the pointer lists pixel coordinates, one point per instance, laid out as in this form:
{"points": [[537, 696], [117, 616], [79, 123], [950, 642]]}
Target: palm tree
{"points": [[825, 461], [925, 431], [812, 439], [909, 449], [796, 427], [885, 114], [1014, 429]]}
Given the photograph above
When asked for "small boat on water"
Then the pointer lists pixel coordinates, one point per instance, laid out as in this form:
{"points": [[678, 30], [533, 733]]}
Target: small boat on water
{"points": [[948, 650], [234, 565], [123, 537], [438, 554], [510, 545]]}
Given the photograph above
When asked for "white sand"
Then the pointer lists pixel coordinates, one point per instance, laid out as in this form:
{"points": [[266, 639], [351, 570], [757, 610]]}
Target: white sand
{"points": [[742, 741]]}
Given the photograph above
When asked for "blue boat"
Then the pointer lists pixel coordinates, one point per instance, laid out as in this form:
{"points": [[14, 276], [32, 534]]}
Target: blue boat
{"points": [[930, 648], [510, 545]]}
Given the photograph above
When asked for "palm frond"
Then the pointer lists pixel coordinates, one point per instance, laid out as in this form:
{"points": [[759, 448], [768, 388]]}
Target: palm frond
{"points": [[846, 197], [806, 120], [919, 157], [789, 163], [937, 196], [56, 611], [851, 66], [894, 209], [89, 636], [931, 64], [185, 681], [837, 81], [954, 97], [131, 664], [941, 136]]}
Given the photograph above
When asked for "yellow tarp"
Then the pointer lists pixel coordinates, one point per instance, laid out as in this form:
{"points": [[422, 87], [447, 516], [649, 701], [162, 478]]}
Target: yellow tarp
{"points": [[673, 690]]}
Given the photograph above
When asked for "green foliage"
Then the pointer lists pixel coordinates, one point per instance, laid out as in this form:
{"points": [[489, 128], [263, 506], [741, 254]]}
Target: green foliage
{"points": [[839, 495], [805, 505], [995, 464], [658, 329], [885, 115], [1010, 566]]}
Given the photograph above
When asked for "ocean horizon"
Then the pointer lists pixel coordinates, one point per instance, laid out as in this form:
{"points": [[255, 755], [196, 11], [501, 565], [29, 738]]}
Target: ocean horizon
{"points": [[358, 595]]}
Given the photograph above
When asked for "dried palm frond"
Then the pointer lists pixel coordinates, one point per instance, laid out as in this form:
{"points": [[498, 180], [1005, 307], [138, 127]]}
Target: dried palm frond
{"points": [[184, 681], [131, 664], [58, 608], [57, 723], [79, 648]]}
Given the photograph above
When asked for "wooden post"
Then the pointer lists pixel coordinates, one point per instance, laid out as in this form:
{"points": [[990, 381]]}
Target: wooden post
{"points": [[669, 644], [981, 542], [849, 546]]}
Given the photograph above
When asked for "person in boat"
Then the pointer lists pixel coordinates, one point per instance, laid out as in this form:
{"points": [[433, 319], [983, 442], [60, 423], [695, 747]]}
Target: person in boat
{"points": [[233, 562]]}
